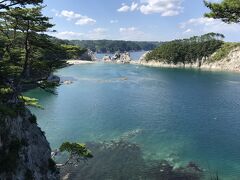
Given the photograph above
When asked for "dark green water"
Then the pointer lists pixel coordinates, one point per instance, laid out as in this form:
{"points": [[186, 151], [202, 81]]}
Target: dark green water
{"points": [[183, 115]]}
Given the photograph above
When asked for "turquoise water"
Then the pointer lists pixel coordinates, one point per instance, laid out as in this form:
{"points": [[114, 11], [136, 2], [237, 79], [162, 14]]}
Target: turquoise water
{"points": [[189, 114]]}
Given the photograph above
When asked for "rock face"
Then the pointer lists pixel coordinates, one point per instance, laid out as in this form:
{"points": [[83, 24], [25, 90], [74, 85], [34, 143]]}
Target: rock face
{"points": [[88, 55], [24, 151], [230, 63], [143, 57], [124, 58], [121, 58], [107, 58]]}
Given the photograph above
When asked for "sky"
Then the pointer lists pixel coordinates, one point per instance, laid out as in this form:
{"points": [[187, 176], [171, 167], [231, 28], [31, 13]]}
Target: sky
{"points": [[137, 20]]}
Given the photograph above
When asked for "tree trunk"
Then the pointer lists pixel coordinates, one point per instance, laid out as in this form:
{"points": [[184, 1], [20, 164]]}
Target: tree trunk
{"points": [[25, 72]]}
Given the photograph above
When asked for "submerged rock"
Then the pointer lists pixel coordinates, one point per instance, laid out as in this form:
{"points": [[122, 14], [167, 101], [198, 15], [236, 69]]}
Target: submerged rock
{"points": [[121, 159]]}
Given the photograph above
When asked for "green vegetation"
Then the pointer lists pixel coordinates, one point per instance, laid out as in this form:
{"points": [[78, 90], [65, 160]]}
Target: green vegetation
{"points": [[228, 10], [6, 4], [73, 51], [77, 152], [105, 46], [187, 50], [225, 49], [27, 56], [30, 101]]}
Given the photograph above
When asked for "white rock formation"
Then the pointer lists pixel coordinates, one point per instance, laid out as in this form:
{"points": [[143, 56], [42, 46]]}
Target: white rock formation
{"points": [[230, 63]]}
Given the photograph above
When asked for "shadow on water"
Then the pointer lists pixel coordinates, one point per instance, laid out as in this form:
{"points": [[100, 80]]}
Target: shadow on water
{"points": [[123, 160]]}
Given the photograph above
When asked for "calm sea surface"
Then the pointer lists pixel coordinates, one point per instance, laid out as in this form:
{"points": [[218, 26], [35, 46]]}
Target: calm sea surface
{"points": [[193, 115]]}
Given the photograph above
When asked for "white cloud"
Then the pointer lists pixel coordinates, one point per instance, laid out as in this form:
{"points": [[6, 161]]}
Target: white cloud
{"points": [[78, 18], [128, 30], [70, 15], [84, 20], [188, 31], [134, 6], [206, 25], [113, 21], [68, 35], [97, 33], [163, 7], [125, 8], [132, 33]]}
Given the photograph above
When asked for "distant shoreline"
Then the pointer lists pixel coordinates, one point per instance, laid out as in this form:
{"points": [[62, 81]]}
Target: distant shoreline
{"points": [[75, 62], [204, 67]]}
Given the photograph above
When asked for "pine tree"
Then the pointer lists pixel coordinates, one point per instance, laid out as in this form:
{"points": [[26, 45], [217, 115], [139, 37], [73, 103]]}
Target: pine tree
{"points": [[228, 10]]}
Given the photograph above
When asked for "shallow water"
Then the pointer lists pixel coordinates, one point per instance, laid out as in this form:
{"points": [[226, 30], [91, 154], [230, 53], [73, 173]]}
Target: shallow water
{"points": [[183, 115]]}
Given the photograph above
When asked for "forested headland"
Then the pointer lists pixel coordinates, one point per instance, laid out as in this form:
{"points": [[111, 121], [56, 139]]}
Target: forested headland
{"points": [[208, 49]]}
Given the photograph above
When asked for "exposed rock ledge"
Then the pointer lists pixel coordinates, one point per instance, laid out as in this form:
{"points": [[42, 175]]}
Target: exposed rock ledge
{"points": [[230, 63]]}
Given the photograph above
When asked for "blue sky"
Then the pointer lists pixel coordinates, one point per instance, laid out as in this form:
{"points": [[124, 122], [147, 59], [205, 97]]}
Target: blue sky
{"points": [[149, 20]]}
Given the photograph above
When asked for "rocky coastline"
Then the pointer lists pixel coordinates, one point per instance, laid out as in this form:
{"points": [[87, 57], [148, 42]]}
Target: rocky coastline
{"points": [[229, 63]]}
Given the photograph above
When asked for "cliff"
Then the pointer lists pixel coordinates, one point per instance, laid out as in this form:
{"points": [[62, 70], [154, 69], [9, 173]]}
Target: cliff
{"points": [[24, 151], [229, 62]]}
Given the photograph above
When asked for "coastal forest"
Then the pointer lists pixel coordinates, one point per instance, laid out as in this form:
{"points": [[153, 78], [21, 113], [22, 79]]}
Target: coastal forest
{"points": [[112, 46], [187, 50]]}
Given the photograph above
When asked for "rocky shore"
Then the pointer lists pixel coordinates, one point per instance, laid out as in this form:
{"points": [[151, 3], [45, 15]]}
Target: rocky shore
{"points": [[230, 63]]}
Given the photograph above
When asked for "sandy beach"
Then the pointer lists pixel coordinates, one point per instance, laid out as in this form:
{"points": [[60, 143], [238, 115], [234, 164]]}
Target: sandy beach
{"points": [[80, 62]]}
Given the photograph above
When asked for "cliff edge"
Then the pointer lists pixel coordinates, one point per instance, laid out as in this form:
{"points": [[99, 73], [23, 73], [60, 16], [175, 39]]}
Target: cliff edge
{"points": [[24, 151]]}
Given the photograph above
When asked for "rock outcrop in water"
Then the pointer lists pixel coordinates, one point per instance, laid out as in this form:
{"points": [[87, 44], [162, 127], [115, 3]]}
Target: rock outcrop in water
{"points": [[121, 58], [24, 151], [229, 63]]}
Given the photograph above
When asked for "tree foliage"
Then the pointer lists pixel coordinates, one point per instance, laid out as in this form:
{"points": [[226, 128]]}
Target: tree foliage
{"points": [[228, 10], [27, 55], [187, 50], [105, 46], [77, 152], [6, 4]]}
